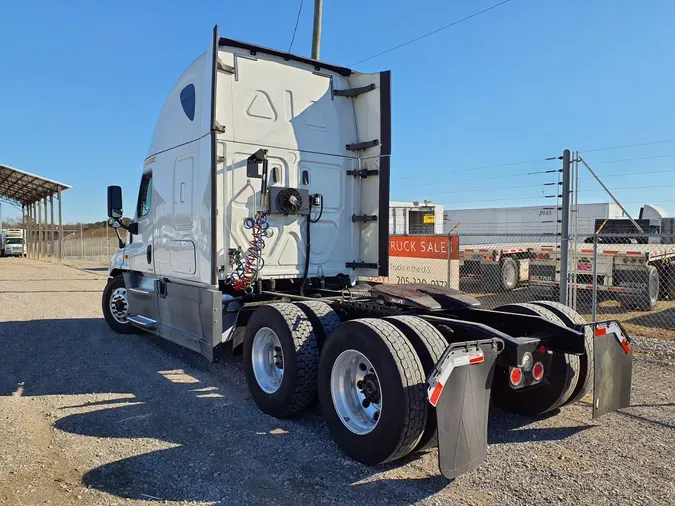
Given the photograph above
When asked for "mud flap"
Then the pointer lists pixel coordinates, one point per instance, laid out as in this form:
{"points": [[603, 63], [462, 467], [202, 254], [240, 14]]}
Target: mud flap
{"points": [[613, 369], [462, 397]]}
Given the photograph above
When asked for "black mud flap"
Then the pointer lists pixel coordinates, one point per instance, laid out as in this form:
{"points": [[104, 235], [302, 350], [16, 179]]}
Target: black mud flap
{"points": [[613, 368], [462, 398]]}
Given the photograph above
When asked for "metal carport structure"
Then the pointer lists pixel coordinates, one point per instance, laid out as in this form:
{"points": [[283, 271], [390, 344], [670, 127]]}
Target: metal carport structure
{"points": [[33, 194]]}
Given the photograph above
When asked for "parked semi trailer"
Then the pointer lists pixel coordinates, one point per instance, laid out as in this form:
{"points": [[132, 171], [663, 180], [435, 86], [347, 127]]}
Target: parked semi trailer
{"points": [[263, 198], [636, 269]]}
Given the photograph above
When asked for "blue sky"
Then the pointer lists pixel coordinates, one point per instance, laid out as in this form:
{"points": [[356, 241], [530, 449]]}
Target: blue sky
{"points": [[81, 84]]}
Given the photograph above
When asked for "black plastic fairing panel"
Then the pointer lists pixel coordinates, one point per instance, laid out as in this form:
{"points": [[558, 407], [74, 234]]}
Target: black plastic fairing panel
{"points": [[462, 415], [424, 296]]}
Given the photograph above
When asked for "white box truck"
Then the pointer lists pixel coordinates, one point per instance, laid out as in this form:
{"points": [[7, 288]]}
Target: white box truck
{"points": [[14, 243], [263, 197]]}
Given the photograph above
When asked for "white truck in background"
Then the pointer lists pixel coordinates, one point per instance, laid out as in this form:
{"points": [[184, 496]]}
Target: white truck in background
{"points": [[262, 200], [15, 242]]}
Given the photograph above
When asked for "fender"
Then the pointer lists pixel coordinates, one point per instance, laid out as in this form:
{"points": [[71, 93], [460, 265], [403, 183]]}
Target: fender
{"points": [[118, 264]]}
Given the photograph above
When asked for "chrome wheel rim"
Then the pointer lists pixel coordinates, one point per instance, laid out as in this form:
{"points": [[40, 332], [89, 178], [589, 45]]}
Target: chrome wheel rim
{"points": [[268, 360], [356, 393], [119, 305]]}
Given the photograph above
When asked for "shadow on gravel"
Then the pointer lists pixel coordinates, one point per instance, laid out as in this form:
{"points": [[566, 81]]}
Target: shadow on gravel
{"points": [[215, 443], [505, 427]]}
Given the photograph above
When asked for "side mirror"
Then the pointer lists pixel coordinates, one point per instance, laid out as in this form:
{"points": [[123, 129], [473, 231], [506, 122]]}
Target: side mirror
{"points": [[114, 202]]}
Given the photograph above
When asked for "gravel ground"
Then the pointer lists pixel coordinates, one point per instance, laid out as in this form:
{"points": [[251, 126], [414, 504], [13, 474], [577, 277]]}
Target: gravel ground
{"points": [[88, 417]]}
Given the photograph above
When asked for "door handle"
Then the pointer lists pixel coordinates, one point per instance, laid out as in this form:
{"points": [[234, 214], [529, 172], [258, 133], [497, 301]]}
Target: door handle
{"points": [[148, 253]]}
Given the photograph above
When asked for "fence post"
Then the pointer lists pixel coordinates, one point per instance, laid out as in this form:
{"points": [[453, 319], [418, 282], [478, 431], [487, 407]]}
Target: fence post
{"points": [[565, 226], [81, 243], [453, 262], [594, 302]]}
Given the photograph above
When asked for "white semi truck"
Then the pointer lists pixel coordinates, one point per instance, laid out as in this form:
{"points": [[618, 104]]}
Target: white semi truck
{"points": [[262, 199]]}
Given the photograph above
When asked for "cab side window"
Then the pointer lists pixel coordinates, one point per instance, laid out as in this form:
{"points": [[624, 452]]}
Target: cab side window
{"points": [[145, 195]]}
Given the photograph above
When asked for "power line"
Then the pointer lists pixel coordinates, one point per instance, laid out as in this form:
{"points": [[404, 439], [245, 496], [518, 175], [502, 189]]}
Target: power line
{"points": [[491, 189], [633, 159], [621, 174], [297, 20], [431, 33], [437, 183], [478, 168], [627, 146]]}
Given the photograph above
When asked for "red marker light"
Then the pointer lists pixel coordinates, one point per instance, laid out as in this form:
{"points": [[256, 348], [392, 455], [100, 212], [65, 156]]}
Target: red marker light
{"points": [[538, 371], [516, 376]]}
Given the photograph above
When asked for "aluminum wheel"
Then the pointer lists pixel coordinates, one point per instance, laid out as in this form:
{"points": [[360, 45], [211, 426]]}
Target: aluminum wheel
{"points": [[355, 389], [268, 360], [119, 306]]}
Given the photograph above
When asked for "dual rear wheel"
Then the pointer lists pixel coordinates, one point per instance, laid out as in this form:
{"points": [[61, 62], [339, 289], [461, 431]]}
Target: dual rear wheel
{"points": [[369, 376]]}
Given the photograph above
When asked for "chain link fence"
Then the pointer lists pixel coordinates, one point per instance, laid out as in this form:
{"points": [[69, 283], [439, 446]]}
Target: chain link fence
{"points": [[626, 278], [96, 245]]}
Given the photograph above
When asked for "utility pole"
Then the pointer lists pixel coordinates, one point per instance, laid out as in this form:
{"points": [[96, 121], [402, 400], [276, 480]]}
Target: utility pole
{"points": [[316, 35]]}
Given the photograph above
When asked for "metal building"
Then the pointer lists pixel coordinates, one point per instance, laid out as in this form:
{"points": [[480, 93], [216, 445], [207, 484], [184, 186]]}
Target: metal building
{"points": [[35, 196]]}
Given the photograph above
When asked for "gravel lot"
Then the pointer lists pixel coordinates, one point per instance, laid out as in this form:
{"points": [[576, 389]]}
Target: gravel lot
{"points": [[88, 417]]}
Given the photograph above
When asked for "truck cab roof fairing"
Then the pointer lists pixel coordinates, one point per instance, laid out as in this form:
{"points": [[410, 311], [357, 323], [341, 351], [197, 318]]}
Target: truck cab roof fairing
{"points": [[174, 127]]}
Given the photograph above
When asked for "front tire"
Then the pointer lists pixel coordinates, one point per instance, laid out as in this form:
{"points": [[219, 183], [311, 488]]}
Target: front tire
{"points": [[369, 364], [116, 306]]}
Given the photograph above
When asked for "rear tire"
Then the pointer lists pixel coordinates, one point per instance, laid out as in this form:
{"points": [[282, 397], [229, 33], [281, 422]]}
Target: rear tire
{"points": [[429, 344], [400, 383], [586, 362], [116, 307], [669, 284], [288, 389], [551, 393], [510, 274], [645, 301], [323, 318]]}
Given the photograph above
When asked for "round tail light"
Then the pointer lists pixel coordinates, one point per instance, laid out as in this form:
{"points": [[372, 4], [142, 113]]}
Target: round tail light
{"points": [[625, 260], [538, 371], [516, 376]]}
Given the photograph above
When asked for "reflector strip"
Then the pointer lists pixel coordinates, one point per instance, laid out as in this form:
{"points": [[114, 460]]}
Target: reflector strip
{"points": [[625, 345], [441, 373], [614, 328], [436, 394]]}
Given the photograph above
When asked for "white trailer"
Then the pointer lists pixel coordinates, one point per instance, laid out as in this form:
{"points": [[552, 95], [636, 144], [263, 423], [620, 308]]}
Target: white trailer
{"points": [[254, 152], [637, 274], [496, 244], [477, 226]]}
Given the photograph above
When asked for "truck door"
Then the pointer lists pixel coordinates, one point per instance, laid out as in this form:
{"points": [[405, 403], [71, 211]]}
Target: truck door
{"points": [[140, 251], [142, 285]]}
